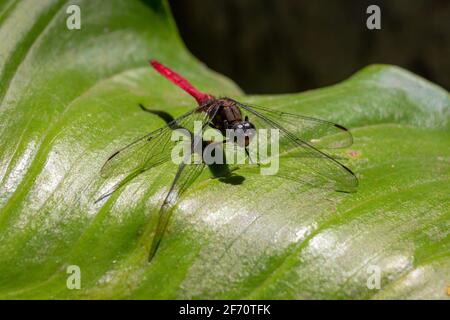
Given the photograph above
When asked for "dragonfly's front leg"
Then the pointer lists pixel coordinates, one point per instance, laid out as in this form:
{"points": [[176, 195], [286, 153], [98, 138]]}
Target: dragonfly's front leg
{"points": [[247, 153]]}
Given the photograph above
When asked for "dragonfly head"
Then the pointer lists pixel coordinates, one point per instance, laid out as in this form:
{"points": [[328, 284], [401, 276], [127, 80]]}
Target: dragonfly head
{"points": [[244, 131]]}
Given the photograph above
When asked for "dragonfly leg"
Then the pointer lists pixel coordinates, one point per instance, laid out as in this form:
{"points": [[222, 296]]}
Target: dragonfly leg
{"points": [[249, 157]]}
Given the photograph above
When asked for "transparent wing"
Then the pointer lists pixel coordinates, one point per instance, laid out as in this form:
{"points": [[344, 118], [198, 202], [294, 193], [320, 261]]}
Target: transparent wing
{"points": [[298, 158], [153, 148], [319, 133], [185, 176]]}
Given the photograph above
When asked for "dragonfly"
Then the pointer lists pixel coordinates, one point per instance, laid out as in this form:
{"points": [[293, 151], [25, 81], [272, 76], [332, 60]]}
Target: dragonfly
{"points": [[302, 140]]}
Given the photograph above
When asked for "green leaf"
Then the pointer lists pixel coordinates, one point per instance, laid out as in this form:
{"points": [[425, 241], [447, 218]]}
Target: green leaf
{"points": [[69, 98]]}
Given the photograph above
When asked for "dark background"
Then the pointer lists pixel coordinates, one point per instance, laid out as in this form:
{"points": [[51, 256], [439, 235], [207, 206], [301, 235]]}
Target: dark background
{"points": [[276, 46]]}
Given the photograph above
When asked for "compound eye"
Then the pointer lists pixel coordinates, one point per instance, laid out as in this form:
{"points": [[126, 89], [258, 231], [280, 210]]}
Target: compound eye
{"points": [[249, 125]]}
